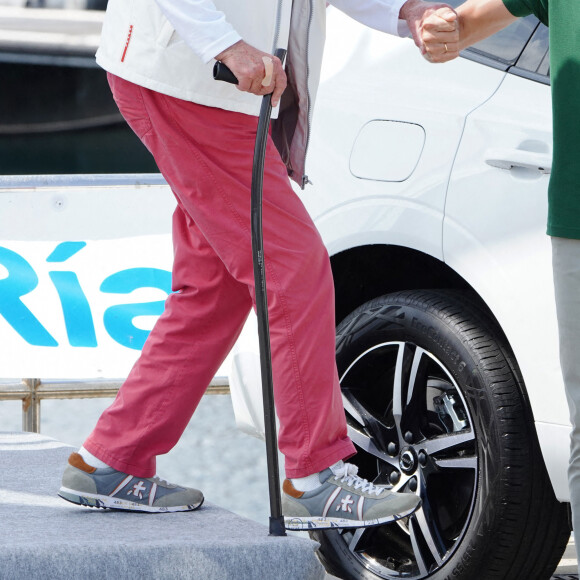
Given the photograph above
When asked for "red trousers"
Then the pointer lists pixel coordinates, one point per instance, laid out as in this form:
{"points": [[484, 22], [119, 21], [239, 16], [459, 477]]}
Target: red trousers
{"points": [[206, 155]]}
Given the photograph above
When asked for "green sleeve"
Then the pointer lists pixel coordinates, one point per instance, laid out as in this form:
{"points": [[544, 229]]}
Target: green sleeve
{"points": [[526, 7]]}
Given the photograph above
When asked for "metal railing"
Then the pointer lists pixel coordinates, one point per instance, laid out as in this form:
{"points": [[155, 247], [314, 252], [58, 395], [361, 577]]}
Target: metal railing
{"points": [[32, 391], [80, 180]]}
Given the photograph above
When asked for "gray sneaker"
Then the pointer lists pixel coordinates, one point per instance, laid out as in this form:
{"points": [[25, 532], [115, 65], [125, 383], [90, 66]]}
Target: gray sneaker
{"points": [[109, 488], [344, 500]]}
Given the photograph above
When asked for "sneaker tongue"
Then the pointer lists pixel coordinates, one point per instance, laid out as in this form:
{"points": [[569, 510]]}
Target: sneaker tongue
{"points": [[338, 467], [342, 469]]}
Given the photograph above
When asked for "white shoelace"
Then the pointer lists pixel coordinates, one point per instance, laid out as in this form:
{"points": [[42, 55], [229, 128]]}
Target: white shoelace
{"points": [[347, 473], [163, 482]]}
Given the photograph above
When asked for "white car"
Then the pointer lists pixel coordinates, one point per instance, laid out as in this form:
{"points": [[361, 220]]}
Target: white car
{"points": [[430, 191]]}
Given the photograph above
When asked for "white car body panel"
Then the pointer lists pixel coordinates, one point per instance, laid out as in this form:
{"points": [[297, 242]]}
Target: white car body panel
{"points": [[349, 210], [555, 445], [508, 261]]}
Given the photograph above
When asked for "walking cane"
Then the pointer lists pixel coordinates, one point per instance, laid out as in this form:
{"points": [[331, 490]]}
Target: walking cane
{"points": [[223, 73]]}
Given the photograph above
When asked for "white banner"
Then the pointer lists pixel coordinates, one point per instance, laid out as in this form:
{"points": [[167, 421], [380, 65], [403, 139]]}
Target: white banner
{"points": [[84, 272]]}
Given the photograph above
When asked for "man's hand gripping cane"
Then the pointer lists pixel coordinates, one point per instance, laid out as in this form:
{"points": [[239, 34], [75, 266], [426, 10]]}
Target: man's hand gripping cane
{"points": [[257, 72]]}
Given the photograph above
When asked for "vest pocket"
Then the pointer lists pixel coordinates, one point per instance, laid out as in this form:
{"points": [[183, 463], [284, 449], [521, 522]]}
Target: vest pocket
{"points": [[167, 35]]}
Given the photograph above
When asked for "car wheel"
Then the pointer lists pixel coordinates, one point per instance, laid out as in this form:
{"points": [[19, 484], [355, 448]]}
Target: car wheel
{"points": [[436, 406]]}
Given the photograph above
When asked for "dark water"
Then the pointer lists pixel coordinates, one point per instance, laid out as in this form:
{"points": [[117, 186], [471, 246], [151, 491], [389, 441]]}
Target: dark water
{"points": [[63, 119], [112, 149]]}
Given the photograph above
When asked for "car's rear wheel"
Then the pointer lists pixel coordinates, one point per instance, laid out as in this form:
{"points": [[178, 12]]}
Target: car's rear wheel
{"points": [[436, 406]]}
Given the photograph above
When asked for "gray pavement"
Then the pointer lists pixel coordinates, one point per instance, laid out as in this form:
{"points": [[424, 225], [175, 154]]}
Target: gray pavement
{"points": [[45, 537]]}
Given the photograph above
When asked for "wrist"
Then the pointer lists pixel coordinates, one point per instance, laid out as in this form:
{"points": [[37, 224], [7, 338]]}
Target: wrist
{"points": [[463, 19], [224, 53], [409, 8]]}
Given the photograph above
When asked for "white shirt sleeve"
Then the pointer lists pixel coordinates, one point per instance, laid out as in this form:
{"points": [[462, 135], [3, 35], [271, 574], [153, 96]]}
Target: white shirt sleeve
{"points": [[201, 25], [381, 15]]}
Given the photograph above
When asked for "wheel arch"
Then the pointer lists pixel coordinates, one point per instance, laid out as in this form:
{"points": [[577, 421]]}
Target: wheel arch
{"points": [[365, 272]]}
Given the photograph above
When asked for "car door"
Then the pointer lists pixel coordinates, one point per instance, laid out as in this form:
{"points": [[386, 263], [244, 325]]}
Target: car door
{"points": [[495, 223]]}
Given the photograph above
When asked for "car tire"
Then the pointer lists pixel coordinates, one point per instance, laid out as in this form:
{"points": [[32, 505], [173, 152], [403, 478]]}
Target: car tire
{"points": [[436, 406]]}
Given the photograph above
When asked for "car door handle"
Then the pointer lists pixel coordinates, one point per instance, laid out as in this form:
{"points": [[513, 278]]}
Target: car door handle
{"points": [[512, 158]]}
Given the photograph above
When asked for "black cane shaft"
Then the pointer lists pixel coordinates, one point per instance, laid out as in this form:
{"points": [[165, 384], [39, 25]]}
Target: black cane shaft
{"points": [[262, 314], [223, 73], [276, 518]]}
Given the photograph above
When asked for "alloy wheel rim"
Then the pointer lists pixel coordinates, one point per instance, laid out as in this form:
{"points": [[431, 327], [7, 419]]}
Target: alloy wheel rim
{"points": [[408, 416]]}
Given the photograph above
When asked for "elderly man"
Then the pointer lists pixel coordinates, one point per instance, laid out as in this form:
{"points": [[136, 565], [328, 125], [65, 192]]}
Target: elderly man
{"points": [[159, 56]]}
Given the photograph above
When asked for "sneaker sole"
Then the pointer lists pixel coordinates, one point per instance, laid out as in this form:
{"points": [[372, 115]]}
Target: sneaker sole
{"points": [[108, 502], [320, 523]]}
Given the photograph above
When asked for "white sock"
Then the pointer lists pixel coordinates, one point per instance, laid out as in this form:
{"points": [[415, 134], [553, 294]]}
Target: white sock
{"points": [[90, 459], [311, 482]]}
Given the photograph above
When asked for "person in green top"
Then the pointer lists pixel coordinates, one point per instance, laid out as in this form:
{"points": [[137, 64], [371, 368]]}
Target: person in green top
{"points": [[443, 36]]}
